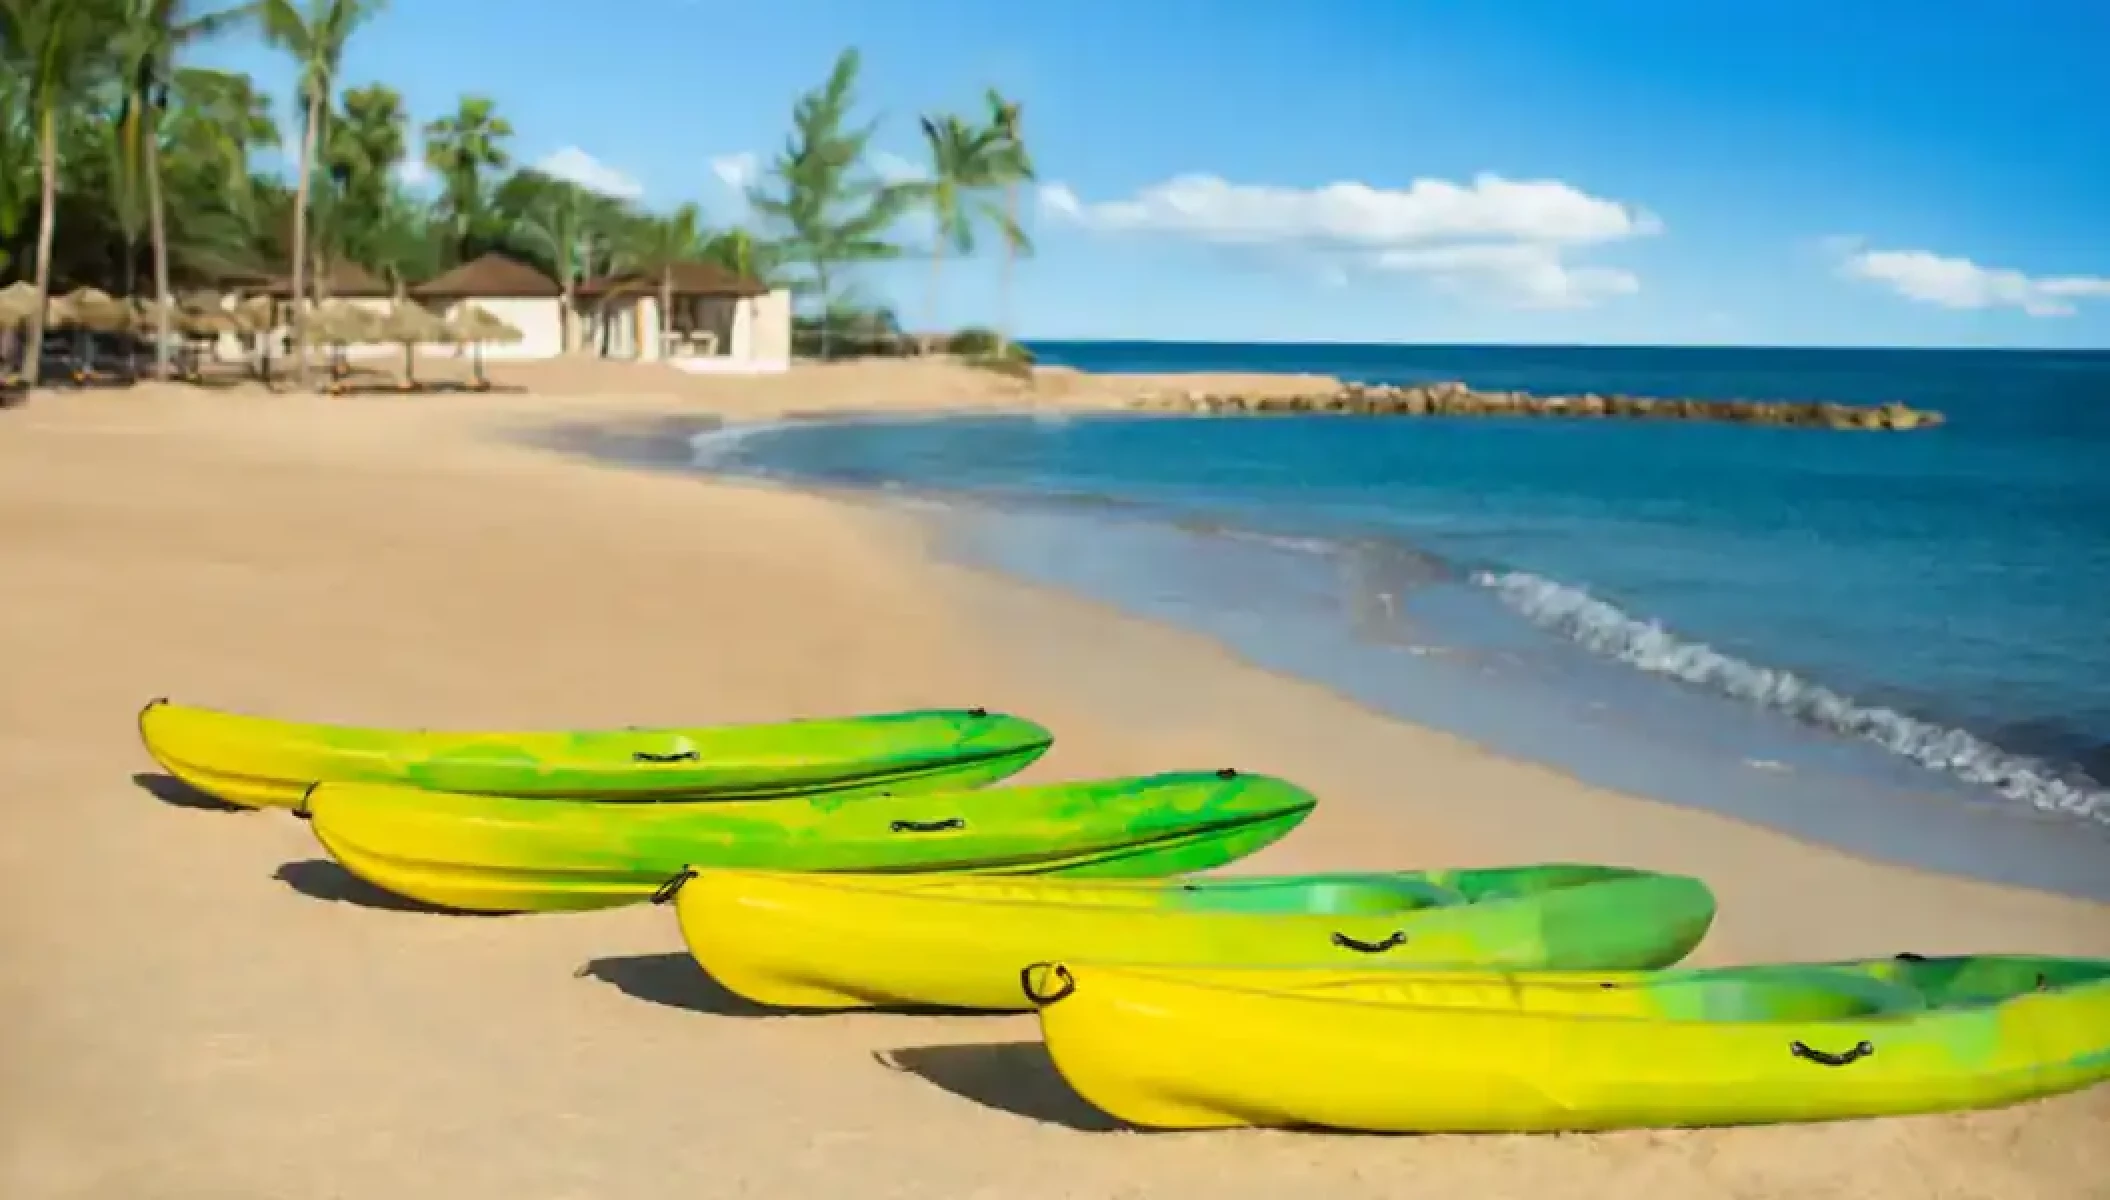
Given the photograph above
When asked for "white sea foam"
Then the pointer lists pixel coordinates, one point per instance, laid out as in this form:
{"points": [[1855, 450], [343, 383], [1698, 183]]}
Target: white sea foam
{"points": [[1605, 629], [716, 448]]}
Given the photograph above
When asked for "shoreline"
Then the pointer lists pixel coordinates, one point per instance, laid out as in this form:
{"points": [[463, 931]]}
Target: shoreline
{"points": [[1876, 805], [209, 1012]]}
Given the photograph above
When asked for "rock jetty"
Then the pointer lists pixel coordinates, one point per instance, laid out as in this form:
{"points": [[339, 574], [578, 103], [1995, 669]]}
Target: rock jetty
{"points": [[1456, 399]]}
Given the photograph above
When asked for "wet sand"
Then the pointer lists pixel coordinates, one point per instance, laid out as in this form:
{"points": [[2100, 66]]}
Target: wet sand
{"points": [[198, 1003]]}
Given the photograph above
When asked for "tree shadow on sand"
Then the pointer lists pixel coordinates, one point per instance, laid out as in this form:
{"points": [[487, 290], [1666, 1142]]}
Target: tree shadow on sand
{"points": [[1012, 1077], [678, 981], [177, 794], [321, 879]]}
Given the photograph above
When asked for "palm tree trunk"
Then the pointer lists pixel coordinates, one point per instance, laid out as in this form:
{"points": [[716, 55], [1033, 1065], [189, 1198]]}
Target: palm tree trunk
{"points": [[666, 310], [937, 274], [300, 236], [569, 299], [158, 226], [820, 276], [1003, 287], [47, 228]]}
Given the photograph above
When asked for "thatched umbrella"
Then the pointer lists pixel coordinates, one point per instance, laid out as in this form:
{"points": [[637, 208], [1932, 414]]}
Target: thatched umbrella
{"points": [[476, 326], [410, 323], [205, 323], [90, 310], [18, 303], [339, 323], [257, 318], [257, 314], [198, 323]]}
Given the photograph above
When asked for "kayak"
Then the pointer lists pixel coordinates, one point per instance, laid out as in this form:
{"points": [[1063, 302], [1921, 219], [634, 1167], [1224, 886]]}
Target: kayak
{"points": [[508, 854], [847, 941], [258, 762], [1470, 1051]]}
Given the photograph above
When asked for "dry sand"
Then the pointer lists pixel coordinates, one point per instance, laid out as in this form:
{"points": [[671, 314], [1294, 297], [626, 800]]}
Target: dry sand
{"points": [[196, 1004]]}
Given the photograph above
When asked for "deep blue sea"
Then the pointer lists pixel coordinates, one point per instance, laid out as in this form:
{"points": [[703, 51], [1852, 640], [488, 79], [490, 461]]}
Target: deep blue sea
{"points": [[1898, 643]]}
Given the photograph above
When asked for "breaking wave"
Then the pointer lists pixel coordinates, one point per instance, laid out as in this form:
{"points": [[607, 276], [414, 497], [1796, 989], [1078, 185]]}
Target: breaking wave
{"points": [[1645, 644]]}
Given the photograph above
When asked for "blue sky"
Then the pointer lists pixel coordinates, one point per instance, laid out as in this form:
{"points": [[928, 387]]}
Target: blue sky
{"points": [[1631, 171]]}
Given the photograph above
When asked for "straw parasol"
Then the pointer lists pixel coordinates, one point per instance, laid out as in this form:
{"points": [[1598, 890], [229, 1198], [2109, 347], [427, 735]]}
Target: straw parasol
{"points": [[476, 326], [410, 323], [92, 309], [207, 322], [257, 314], [18, 303], [145, 315], [339, 323]]}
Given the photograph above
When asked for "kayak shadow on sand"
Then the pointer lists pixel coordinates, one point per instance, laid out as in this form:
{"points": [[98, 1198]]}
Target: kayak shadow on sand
{"points": [[321, 879], [677, 981], [177, 794], [1012, 1077]]}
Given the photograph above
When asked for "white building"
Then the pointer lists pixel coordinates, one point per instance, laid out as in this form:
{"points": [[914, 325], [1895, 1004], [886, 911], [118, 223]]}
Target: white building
{"points": [[718, 322], [510, 290]]}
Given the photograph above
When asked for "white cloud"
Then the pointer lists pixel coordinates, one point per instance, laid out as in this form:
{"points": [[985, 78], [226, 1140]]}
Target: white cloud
{"points": [[737, 171], [1963, 284], [1499, 236], [574, 165], [413, 173], [893, 168]]}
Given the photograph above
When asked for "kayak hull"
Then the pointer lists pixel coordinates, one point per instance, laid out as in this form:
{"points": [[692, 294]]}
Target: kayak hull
{"points": [[258, 762], [853, 941], [1470, 1051], [507, 854]]}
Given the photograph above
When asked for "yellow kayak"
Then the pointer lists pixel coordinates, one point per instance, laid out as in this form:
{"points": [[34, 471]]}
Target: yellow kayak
{"points": [[260, 762], [1461, 1051], [957, 941]]}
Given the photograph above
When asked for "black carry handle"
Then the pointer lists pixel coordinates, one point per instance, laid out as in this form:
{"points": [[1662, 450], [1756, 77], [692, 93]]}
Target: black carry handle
{"points": [[1065, 983], [928, 826], [1398, 938], [646, 756], [672, 887], [1825, 1058]]}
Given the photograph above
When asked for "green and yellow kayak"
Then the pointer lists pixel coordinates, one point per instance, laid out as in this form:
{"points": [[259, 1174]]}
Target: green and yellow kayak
{"points": [[844, 941], [507, 854], [1460, 1051], [264, 763]]}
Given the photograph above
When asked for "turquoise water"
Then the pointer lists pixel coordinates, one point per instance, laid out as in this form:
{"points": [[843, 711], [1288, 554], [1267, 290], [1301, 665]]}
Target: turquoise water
{"points": [[1896, 642]]}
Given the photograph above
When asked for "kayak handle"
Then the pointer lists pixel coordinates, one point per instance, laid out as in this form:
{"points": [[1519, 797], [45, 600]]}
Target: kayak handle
{"points": [[1398, 938], [672, 887], [646, 756], [928, 826], [1860, 1050], [1031, 980]]}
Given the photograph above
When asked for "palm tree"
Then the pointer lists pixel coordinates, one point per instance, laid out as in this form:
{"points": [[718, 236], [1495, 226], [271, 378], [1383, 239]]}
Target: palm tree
{"points": [[55, 45], [461, 148], [555, 217], [1015, 168], [966, 162], [656, 245], [366, 141], [152, 35], [739, 252], [315, 37], [214, 122]]}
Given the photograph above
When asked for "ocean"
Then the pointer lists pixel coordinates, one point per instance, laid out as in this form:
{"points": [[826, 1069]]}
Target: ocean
{"points": [[1897, 643]]}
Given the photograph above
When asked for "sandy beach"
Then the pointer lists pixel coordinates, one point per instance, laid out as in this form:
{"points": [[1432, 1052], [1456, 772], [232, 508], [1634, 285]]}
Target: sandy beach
{"points": [[198, 1004]]}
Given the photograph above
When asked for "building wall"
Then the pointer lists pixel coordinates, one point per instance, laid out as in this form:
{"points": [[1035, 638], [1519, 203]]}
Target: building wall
{"points": [[770, 338]]}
